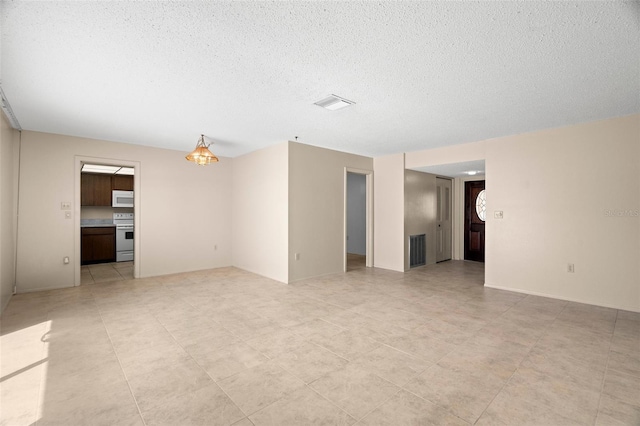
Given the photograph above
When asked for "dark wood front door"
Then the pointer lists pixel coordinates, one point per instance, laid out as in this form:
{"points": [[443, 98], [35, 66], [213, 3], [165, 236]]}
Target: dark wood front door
{"points": [[474, 217]]}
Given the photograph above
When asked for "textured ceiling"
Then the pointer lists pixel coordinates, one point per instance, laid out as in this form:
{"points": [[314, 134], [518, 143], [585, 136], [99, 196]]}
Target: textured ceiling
{"points": [[246, 74]]}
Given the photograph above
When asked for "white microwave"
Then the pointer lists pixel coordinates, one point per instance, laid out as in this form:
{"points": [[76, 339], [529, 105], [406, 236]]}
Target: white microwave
{"points": [[122, 199]]}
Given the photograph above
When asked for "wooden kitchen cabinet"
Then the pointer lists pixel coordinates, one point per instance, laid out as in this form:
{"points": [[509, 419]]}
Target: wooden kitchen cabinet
{"points": [[95, 189], [122, 182], [98, 245]]}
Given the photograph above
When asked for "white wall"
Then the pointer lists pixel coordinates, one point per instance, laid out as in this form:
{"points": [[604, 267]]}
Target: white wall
{"points": [[260, 212], [558, 189], [316, 208], [420, 204], [356, 213], [9, 147], [184, 211], [390, 249]]}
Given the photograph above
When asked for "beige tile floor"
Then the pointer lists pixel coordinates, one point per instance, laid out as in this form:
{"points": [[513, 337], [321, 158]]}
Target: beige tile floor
{"points": [[369, 347], [103, 272]]}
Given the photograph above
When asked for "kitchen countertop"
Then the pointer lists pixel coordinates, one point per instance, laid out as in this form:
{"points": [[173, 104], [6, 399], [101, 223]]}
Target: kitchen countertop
{"points": [[96, 223]]}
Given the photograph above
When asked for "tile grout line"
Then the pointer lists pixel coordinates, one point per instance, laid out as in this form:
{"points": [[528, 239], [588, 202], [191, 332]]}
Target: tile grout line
{"points": [[435, 404], [124, 374], [606, 369], [246, 416], [43, 377], [506, 383]]}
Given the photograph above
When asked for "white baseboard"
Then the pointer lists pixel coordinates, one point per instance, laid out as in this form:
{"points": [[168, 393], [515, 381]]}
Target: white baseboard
{"points": [[5, 304], [567, 299]]}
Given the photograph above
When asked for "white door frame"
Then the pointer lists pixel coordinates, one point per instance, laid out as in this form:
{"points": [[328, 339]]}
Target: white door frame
{"points": [[79, 161], [451, 215], [369, 216]]}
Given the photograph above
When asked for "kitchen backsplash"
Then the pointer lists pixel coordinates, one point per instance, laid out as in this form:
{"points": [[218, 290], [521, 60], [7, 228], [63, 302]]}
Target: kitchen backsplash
{"points": [[105, 213]]}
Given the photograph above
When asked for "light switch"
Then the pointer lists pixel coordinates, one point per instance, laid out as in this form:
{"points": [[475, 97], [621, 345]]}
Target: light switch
{"points": [[65, 205], [498, 214]]}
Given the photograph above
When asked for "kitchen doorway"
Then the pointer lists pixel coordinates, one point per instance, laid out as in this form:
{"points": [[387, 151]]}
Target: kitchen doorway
{"points": [[358, 224], [106, 218]]}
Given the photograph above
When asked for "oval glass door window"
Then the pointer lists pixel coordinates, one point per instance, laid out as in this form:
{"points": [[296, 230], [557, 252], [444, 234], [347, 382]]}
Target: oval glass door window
{"points": [[481, 205]]}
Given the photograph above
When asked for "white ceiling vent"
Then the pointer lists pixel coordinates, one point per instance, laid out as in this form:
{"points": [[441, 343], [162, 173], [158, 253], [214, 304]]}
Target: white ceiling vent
{"points": [[334, 102]]}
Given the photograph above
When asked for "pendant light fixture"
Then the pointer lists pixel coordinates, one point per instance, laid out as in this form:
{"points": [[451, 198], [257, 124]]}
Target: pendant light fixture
{"points": [[201, 155]]}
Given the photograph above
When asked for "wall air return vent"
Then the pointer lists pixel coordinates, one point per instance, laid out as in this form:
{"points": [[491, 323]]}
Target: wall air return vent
{"points": [[417, 250]]}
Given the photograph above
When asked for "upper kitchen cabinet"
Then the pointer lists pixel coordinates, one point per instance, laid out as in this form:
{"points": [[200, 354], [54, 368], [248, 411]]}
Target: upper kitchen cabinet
{"points": [[122, 182], [95, 189]]}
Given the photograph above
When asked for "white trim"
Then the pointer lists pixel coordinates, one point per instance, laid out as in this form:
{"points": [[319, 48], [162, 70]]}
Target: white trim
{"points": [[567, 299], [79, 160], [6, 303], [369, 216], [452, 215]]}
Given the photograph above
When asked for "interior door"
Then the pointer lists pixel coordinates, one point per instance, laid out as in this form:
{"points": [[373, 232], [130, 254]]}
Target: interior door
{"points": [[474, 218], [443, 219]]}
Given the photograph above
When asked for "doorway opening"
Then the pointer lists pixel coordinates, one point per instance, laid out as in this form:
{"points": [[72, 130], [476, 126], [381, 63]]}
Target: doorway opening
{"points": [[474, 219], [444, 222], [106, 216], [358, 241]]}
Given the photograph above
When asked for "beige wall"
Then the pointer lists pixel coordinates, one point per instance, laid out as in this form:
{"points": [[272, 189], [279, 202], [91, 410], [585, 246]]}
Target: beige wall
{"points": [[420, 211], [260, 212], [9, 147], [317, 208], [569, 195], [558, 189], [388, 199], [184, 210], [447, 155]]}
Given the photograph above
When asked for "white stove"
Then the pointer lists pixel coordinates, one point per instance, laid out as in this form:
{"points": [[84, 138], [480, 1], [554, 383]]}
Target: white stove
{"points": [[124, 236]]}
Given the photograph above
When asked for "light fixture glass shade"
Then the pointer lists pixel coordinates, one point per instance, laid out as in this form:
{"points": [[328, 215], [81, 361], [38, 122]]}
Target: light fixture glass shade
{"points": [[201, 155]]}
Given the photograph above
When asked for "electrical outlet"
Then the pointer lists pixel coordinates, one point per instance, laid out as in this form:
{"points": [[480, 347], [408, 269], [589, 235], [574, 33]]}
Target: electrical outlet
{"points": [[67, 215], [498, 214], [65, 260], [570, 268]]}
